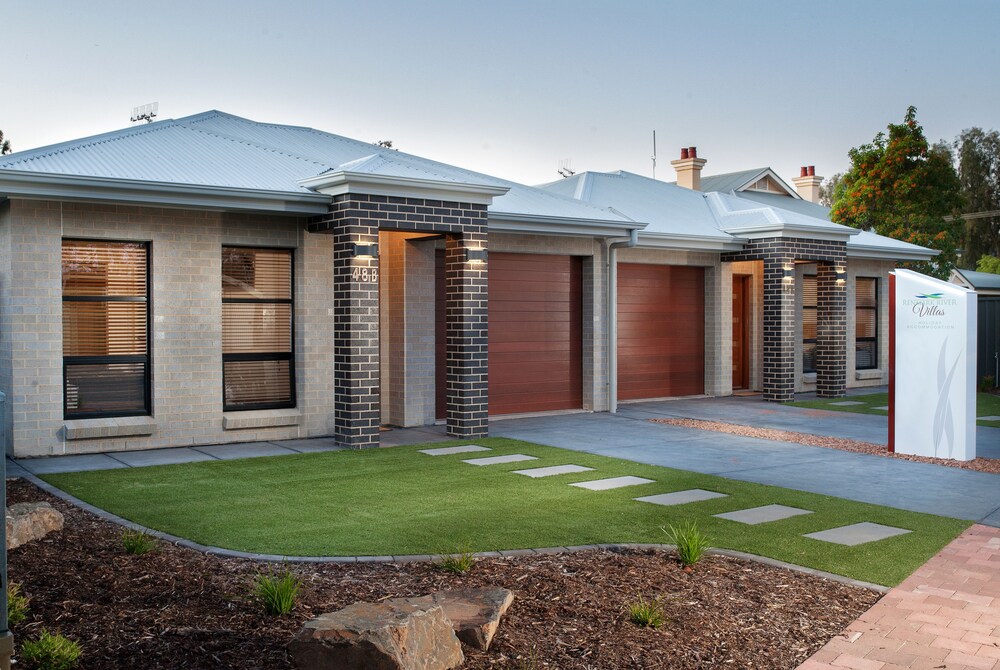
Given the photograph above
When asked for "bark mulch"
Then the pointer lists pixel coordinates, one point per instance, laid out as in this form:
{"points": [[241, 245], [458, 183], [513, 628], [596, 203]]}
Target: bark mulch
{"points": [[177, 608], [981, 464]]}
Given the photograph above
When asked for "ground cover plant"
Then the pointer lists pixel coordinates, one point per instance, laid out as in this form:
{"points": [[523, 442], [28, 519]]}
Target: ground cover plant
{"points": [[987, 404], [398, 501]]}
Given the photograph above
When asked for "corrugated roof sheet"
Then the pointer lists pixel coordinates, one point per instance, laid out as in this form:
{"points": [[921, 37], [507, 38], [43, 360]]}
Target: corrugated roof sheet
{"points": [[981, 280], [730, 181]]}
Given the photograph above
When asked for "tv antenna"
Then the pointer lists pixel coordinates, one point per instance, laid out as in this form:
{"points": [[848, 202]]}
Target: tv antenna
{"points": [[654, 154], [145, 112], [564, 169]]}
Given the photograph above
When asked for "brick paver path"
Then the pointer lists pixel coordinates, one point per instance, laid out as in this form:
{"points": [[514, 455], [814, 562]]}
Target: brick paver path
{"points": [[945, 616]]}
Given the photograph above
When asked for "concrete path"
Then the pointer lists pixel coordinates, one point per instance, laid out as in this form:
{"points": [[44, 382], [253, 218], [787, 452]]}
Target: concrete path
{"points": [[945, 615]]}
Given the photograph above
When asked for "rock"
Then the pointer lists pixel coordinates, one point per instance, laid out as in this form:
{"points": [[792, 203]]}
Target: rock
{"points": [[474, 613], [378, 636], [31, 521]]}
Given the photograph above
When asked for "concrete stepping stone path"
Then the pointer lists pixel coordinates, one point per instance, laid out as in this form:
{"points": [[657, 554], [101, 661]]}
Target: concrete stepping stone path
{"points": [[612, 483], [681, 497], [764, 514], [496, 460], [446, 451], [884, 409], [857, 533], [552, 470], [988, 418], [846, 403]]}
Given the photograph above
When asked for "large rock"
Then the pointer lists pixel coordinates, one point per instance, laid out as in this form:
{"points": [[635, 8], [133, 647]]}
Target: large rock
{"points": [[395, 635], [31, 521], [474, 613]]}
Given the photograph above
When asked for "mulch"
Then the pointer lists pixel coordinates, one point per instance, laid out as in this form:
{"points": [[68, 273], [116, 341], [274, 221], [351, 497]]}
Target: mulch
{"points": [[177, 608], [979, 464]]}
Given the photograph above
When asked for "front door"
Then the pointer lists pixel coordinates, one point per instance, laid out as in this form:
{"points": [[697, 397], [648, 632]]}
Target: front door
{"points": [[741, 332]]}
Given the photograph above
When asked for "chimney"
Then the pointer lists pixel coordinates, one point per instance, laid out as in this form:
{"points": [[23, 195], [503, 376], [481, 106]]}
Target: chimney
{"points": [[688, 168], [807, 183]]}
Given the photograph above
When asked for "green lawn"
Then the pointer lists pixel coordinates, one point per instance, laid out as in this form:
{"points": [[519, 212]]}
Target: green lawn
{"points": [[987, 404], [398, 501]]}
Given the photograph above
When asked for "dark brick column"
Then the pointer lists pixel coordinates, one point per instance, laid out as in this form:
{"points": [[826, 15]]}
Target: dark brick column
{"points": [[831, 332], [467, 335], [779, 329]]}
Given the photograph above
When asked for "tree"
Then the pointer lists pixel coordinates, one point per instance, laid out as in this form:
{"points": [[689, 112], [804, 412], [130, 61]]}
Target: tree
{"points": [[828, 188], [979, 173], [989, 264], [901, 187], [4, 145]]}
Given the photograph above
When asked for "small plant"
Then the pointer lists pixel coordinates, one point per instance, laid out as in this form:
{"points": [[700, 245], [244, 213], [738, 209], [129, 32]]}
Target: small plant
{"points": [[50, 652], [137, 542], [691, 543], [647, 613], [278, 592], [987, 383], [17, 604], [529, 662], [458, 563]]}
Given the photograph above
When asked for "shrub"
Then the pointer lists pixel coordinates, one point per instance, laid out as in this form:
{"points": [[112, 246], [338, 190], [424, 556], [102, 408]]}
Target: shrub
{"points": [[17, 604], [691, 542], [459, 563], [137, 542], [50, 652], [987, 383], [278, 592], [647, 613]]}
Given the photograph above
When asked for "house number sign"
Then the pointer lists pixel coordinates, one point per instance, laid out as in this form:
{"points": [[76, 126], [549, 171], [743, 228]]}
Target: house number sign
{"points": [[363, 275]]}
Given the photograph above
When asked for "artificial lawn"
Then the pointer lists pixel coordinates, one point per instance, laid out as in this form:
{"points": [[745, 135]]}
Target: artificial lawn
{"points": [[398, 501], [987, 404]]}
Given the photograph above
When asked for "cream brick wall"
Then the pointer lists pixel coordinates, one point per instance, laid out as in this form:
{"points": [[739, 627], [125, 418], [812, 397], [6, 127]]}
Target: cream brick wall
{"points": [[186, 311], [869, 268]]}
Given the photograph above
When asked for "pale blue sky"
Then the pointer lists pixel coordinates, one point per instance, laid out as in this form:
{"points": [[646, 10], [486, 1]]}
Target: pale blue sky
{"points": [[511, 88]]}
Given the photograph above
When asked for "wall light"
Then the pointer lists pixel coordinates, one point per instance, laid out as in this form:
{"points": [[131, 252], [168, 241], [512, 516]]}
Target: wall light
{"points": [[788, 274], [366, 250], [841, 276], [477, 255]]}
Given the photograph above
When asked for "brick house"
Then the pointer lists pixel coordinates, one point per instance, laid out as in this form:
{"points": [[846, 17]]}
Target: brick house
{"points": [[212, 279]]}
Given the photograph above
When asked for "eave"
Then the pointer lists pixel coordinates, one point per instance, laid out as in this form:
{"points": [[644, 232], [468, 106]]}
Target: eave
{"points": [[503, 222]]}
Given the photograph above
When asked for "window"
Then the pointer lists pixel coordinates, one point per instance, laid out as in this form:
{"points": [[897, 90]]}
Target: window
{"points": [[809, 323], [258, 370], [866, 323], [105, 328]]}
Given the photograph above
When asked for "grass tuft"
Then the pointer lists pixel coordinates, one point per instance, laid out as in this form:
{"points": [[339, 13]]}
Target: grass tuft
{"points": [[278, 591], [691, 542], [458, 563], [17, 604], [50, 652], [647, 613], [137, 542]]}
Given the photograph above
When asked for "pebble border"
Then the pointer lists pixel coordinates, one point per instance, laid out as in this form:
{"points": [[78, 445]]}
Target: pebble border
{"points": [[424, 558]]}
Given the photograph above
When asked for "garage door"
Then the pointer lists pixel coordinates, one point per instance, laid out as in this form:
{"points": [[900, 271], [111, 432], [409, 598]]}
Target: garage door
{"points": [[536, 325], [661, 331]]}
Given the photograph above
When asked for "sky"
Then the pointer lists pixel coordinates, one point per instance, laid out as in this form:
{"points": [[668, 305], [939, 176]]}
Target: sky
{"points": [[513, 88]]}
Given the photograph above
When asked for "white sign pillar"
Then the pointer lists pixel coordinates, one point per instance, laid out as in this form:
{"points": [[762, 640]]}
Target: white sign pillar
{"points": [[932, 367]]}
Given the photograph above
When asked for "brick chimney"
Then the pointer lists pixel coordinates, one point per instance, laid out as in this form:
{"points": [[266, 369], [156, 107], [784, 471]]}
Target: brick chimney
{"points": [[688, 168], [807, 183]]}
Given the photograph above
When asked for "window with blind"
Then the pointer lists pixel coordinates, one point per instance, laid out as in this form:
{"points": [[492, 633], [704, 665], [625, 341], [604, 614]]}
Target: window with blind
{"points": [[105, 299], [866, 323], [258, 370], [809, 302]]}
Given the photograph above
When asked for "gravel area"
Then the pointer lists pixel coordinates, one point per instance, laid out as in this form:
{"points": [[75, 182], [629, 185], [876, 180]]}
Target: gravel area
{"points": [[177, 608], [981, 464]]}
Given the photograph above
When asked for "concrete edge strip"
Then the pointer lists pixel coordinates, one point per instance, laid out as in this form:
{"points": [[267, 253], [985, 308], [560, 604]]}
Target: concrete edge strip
{"points": [[424, 558]]}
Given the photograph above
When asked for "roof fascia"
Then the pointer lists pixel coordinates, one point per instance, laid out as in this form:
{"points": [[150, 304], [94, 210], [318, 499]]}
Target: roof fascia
{"points": [[502, 222], [791, 230], [37, 186], [341, 182], [692, 242], [886, 253]]}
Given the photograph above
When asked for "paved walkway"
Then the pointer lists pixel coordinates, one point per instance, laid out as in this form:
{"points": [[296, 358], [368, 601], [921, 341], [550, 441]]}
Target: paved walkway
{"points": [[946, 615]]}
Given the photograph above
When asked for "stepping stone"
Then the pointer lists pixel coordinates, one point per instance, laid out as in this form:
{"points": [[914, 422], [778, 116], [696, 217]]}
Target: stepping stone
{"points": [[612, 483], [988, 418], [681, 497], [886, 408], [446, 451], [858, 533], [552, 470], [846, 403], [756, 515], [496, 460]]}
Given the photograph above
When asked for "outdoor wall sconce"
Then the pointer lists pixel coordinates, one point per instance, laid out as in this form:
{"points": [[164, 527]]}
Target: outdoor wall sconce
{"points": [[841, 276], [366, 250], [788, 275], [475, 255]]}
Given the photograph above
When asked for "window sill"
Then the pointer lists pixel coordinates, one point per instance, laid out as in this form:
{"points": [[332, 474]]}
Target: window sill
{"points": [[867, 374], [126, 426], [261, 418]]}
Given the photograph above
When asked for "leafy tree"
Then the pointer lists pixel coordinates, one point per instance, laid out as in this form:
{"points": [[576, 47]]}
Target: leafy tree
{"points": [[989, 264], [979, 172], [902, 187], [4, 145], [828, 188]]}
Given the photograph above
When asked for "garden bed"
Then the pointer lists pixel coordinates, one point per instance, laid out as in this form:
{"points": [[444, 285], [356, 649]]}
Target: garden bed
{"points": [[177, 608]]}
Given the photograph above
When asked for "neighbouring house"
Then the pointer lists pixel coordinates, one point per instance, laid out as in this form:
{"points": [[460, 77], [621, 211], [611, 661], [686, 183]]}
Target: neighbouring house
{"points": [[213, 279], [987, 288]]}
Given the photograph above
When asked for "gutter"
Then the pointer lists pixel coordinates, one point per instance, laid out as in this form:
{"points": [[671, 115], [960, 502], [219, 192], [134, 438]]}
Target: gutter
{"points": [[612, 316]]}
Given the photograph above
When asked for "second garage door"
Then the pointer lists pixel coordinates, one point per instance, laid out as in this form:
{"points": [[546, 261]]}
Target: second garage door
{"points": [[536, 327], [661, 331]]}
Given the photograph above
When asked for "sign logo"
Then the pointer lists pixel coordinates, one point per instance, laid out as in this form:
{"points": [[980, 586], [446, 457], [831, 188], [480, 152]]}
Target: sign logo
{"points": [[929, 296]]}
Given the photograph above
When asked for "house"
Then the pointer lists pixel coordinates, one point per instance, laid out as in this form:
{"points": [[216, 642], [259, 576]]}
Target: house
{"points": [[987, 288], [212, 279]]}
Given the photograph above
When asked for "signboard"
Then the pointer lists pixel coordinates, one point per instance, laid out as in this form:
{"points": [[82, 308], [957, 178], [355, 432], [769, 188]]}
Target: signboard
{"points": [[932, 369]]}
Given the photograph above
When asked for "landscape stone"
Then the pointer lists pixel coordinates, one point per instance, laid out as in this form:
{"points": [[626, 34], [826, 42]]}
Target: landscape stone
{"points": [[857, 533], [496, 460], [396, 635], [446, 451], [474, 613], [552, 470], [764, 514], [612, 483], [31, 521], [681, 497]]}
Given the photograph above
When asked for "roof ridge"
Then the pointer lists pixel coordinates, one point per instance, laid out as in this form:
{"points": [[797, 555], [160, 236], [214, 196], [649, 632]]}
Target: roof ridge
{"points": [[258, 145]]}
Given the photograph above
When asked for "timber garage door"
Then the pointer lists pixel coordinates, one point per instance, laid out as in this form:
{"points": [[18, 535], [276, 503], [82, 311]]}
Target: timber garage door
{"points": [[536, 325], [661, 331]]}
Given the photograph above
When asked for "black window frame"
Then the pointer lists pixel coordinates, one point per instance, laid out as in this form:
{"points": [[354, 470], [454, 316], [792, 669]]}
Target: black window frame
{"points": [[815, 309], [873, 339], [146, 359], [268, 356]]}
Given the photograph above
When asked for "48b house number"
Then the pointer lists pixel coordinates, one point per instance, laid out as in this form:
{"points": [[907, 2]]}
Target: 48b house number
{"points": [[365, 275]]}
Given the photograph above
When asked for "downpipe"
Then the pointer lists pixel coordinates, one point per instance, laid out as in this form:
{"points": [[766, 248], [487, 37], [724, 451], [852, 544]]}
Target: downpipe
{"points": [[612, 315]]}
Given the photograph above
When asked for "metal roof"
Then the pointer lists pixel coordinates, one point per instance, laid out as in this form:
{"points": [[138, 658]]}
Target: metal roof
{"points": [[980, 281]]}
